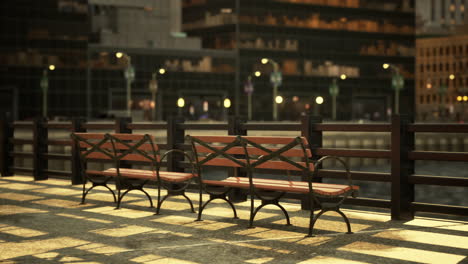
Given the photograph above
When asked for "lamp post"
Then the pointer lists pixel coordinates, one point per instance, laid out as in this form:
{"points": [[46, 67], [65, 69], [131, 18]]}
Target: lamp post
{"points": [[398, 83], [249, 89], [129, 74], [276, 79], [153, 88], [44, 84]]}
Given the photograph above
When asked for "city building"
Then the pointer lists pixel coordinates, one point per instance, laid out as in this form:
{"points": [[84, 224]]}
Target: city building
{"points": [[441, 17], [43, 47], [442, 78], [314, 43]]}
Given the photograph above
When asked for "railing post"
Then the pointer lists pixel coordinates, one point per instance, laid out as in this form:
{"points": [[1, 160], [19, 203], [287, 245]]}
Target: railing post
{"points": [[77, 126], [402, 192], [40, 147], [175, 137], [121, 125], [6, 147], [314, 137], [235, 127]]}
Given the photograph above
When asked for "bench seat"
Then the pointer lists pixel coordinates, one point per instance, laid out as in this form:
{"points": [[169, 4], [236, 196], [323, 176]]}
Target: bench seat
{"points": [[284, 185], [144, 174]]}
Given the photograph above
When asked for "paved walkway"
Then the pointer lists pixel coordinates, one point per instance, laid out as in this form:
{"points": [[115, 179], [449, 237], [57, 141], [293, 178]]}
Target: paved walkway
{"points": [[43, 222]]}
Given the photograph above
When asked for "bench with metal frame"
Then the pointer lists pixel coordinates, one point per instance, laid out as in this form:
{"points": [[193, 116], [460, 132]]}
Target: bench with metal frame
{"points": [[260, 154], [124, 150]]}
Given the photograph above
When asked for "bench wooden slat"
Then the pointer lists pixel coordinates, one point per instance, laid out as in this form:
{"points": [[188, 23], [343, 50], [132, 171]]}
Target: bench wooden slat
{"points": [[96, 155], [283, 185], [274, 140], [220, 162], [119, 146], [216, 139], [145, 174], [135, 137], [255, 151]]}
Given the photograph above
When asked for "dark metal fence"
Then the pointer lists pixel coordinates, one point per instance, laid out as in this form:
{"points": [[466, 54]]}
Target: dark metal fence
{"points": [[402, 153]]}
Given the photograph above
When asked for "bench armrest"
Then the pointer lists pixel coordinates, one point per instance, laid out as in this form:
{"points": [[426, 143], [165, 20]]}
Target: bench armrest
{"points": [[190, 158]]}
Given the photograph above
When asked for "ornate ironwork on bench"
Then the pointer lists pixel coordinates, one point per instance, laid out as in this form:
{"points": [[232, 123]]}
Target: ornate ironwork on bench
{"points": [[257, 154], [123, 150]]}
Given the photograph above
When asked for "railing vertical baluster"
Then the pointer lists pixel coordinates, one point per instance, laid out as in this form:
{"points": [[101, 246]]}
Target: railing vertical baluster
{"points": [[6, 146], [314, 137], [402, 192], [235, 127], [40, 147], [121, 125], [175, 136], [77, 126]]}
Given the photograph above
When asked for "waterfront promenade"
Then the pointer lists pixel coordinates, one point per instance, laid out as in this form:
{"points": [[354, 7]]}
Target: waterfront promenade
{"points": [[43, 222]]}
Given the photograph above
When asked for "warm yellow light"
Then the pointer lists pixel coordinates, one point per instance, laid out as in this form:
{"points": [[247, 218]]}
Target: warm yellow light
{"points": [[452, 77], [428, 86], [459, 98], [319, 100], [119, 55], [465, 98], [385, 66], [279, 99], [181, 102], [264, 61], [162, 71], [343, 76], [227, 103], [258, 74], [51, 67]]}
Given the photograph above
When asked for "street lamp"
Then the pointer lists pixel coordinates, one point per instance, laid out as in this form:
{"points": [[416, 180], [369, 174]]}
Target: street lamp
{"points": [[398, 83], [44, 84], [249, 89], [153, 87], [334, 90], [180, 104], [276, 79], [129, 74]]}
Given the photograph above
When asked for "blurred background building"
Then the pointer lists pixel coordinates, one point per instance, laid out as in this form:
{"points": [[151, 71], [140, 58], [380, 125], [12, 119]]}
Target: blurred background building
{"points": [[442, 61], [207, 49]]}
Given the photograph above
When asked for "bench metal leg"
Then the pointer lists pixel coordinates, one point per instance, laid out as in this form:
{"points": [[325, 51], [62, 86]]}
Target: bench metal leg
{"points": [[348, 225], [172, 193], [214, 197], [264, 203], [313, 220], [85, 192]]}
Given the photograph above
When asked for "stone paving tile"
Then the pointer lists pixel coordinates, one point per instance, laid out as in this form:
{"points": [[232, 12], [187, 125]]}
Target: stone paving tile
{"points": [[42, 222]]}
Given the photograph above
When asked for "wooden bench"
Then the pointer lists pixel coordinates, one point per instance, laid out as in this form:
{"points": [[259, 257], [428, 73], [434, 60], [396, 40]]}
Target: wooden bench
{"points": [[270, 154], [122, 151]]}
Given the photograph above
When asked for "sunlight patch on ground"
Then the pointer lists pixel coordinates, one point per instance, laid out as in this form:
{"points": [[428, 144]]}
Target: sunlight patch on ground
{"points": [[330, 260], [402, 253], [426, 238], [104, 249], [62, 203], [14, 209], [155, 259], [22, 186], [190, 222], [20, 231], [58, 191], [13, 250], [124, 231], [122, 212], [85, 218], [19, 196]]}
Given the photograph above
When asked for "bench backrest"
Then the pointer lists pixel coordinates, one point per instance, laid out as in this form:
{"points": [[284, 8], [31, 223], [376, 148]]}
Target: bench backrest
{"points": [[135, 148], [93, 146], [279, 153], [218, 151]]}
